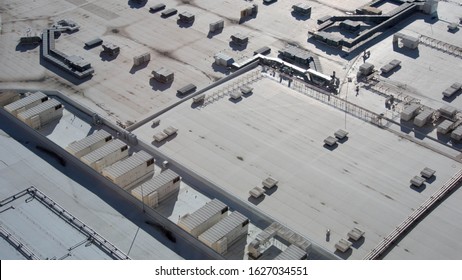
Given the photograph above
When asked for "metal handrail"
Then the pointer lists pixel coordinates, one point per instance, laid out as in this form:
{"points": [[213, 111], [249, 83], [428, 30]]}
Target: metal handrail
{"points": [[419, 212]]}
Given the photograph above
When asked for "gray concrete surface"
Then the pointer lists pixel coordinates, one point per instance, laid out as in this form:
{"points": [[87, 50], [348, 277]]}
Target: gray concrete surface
{"points": [[274, 132], [22, 165], [279, 132]]}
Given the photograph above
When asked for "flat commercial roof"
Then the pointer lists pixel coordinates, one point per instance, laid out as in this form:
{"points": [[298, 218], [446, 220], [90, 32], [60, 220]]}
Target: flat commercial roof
{"points": [[244, 144], [434, 237], [127, 95], [242, 140], [121, 167], [44, 233], [8, 252], [77, 194]]}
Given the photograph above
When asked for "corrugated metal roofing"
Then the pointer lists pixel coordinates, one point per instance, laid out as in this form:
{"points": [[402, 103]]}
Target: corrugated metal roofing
{"points": [[88, 141], [223, 227], [302, 6], [445, 124], [291, 253], [458, 130], [424, 115], [223, 56], [203, 214], [448, 110], [51, 103], [297, 52], [103, 151], [162, 71], [121, 167], [25, 101], [411, 108], [156, 182]]}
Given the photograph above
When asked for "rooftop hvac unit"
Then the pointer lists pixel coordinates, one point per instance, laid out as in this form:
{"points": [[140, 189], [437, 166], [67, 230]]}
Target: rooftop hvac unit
{"points": [[223, 59], [26, 103], [186, 17], [217, 26], [246, 90], [355, 234], [263, 50], [448, 111], [417, 181], [235, 95], [42, 114], [190, 88], [302, 9], [457, 133], [90, 143], [157, 8], [410, 111], [111, 49], [249, 11], [170, 130], [160, 136], [140, 59], [422, 118], [93, 43], [390, 66], [199, 98], [343, 245], [168, 13], [450, 91], [340, 134], [366, 69], [444, 127], [330, 141], [239, 39], [163, 75], [427, 172], [256, 192], [222, 245], [270, 182], [204, 218]]}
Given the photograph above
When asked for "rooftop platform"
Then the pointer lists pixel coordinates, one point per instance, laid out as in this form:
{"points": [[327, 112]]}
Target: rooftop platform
{"points": [[125, 93], [273, 131], [279, 132], [94, 207], [74, 126]]}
